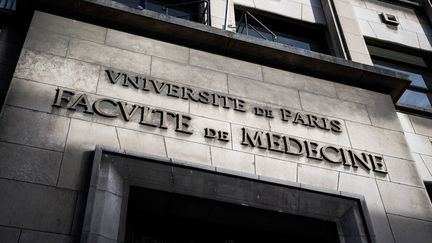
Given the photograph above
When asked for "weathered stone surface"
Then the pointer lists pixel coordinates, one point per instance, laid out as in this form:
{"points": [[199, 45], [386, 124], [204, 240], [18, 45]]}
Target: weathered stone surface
{"points": [[189, 75], [410, 230], [405, 200], [141, 142], [109, 56], [106, 88], [45, 41], [299, 81], [68, 27], [33, 128], [81, 142], [263, 92], [318, 177], [147, 46], [57, 70], [368, 188], [29, 164], [233, 160], [188, 151], [403, 171], [419, 144], [421, 125], [334, 107], [36, 207], [225, 64], [28, 236], [286, 8], [275, 168], [405, 122], [378, 140], [31, 95], [422, 169]]}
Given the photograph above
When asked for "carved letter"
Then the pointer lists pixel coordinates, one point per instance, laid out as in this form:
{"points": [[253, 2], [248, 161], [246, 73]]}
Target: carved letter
{"points": [[253, 141], [127, 115], [183, 123], [328, 157], [98, 109], [336, 126], [81, 101], [312, 150], [113, 76], [62, 95]]}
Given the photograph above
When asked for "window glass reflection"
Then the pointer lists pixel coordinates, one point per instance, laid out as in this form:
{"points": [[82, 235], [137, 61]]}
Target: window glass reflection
{"points": [[416, 79], [418, 99]]}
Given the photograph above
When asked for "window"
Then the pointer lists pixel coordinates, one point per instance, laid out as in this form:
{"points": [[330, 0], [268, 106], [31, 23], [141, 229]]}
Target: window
{"points": [[197, 11], [7, 5], [281, 30], [417, 65]]}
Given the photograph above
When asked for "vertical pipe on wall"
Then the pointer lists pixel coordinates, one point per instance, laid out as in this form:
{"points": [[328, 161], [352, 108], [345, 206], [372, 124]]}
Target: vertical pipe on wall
{"points": [[226, 15]]}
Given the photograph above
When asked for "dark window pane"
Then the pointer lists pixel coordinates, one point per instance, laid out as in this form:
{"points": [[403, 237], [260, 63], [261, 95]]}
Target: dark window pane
{"points": [[416, 79], [418, 99]]}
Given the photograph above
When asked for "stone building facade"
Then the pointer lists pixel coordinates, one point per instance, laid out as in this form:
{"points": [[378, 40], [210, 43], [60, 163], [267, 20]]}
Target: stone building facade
{"points": [[107, 99]]}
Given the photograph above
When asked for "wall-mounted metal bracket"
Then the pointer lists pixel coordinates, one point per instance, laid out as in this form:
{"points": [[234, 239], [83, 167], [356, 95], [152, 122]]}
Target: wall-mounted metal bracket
{"points": [[389, 19]]}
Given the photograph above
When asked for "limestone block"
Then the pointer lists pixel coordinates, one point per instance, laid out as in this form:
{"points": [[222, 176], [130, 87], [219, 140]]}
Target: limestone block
{"points": [[147, 46], [275, 168], [109, 56], [405, 122], [406, 201], [313, 14], [45, 41], [28, 236], [81, 142], [31, 95], [425, 41], [399, 36], [29, 164], [378, 140], [233, 160], [368, 188], [403, 171], [141, 142], [106, 88], [299, 81], [263, 92], [421, 125], [365, 28], [246, 3], [410, 230], [51, 209], [334, 107], [422, 169], [56, 70], [350, 26], [33, 128], [188, 151], [225, 64], [189, 75], [318, 177], [367, 14], [419, 144], [428, 162], [68, 27]]}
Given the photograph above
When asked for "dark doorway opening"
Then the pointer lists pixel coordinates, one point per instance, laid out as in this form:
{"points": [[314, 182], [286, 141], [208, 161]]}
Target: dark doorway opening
{"points": [[162, 217]]}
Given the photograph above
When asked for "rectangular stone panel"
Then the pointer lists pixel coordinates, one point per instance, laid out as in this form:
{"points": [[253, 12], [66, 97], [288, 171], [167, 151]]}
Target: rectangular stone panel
{"points": [[421, 125], [109, 56], [334, 107], [189, 75], [410, 230], [141, 142], [285, 8], [57, 70], [299, 81], [147, 46], [233, 160], [33, 128], [368, 188], [188, 151], [28, 236], [406, 201], [8, 234], [225, 64], [275, 168], [318, 177], [29, 164], [31, 95], [39, 39], [378, 140], [82, 140], [36, 207], [68, 27], [263, 92], [419, 144], [403, 171]]}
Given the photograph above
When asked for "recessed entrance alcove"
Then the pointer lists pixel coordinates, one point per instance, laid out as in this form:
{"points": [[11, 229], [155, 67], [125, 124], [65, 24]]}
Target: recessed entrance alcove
{"points": [[136, 198]]}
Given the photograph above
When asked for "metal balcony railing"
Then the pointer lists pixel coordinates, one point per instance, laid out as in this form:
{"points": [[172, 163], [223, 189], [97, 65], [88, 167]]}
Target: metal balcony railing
{"points": [[203, 16], [245, 23], [7, 5]]}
